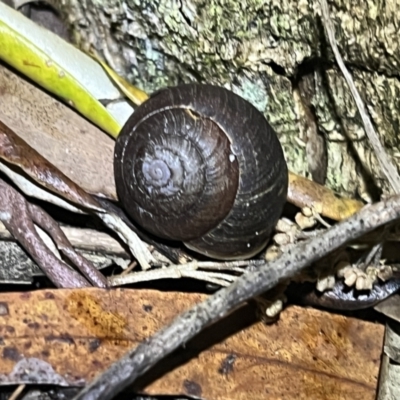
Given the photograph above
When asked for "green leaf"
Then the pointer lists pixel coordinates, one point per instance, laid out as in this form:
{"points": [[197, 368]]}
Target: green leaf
{"points": [[59, 67]]}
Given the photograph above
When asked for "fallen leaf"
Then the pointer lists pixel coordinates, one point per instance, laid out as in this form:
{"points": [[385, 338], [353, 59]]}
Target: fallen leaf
{"points": [[15, 151], [59, 134], [73, 335], [60, 68]]}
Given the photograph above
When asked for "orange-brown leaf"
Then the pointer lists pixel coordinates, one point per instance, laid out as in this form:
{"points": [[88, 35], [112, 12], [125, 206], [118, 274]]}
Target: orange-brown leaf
{"points": [[79, 333]]}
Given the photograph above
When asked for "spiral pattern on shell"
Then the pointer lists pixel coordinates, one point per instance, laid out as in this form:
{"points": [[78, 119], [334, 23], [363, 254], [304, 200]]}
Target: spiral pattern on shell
{"points": [[199, 164]]}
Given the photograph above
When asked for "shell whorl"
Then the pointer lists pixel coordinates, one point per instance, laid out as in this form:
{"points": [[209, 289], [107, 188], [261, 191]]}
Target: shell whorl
{"points": [[199, 164]]}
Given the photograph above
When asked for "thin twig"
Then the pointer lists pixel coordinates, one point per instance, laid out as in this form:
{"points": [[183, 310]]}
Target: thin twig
{"points": [[387, 166], [50, 226], [136, 362], [16, 217]]}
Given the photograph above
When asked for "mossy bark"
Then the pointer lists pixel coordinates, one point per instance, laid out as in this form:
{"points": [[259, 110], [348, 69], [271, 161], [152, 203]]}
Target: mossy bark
{"points": [[275, 54]]}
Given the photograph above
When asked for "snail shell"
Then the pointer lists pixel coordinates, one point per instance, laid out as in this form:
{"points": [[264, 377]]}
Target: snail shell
{"points": [[199, 164]]}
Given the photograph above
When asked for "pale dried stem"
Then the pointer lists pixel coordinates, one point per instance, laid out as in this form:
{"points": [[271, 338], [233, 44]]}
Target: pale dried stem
{"points": [[192, 270], [84, 239]]}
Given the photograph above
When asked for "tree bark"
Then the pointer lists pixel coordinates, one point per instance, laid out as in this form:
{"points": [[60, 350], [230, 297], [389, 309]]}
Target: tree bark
{"points": [[275, 54]]}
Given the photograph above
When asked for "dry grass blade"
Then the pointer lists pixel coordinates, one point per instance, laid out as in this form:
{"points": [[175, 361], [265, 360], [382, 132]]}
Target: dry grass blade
{"points": [[17, 392], [191, 269]]}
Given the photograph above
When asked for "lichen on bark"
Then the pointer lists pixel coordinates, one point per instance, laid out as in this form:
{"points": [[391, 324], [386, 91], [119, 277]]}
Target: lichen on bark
{"points": [[273, 53]]}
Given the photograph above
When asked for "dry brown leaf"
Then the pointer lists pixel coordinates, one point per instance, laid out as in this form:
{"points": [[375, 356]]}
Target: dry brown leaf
{"points": [[58, 133], [17, 152], [69, 336]]}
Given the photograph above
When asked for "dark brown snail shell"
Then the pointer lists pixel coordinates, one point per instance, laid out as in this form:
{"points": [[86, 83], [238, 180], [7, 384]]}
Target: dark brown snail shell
{"points": [[199, 164]]}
